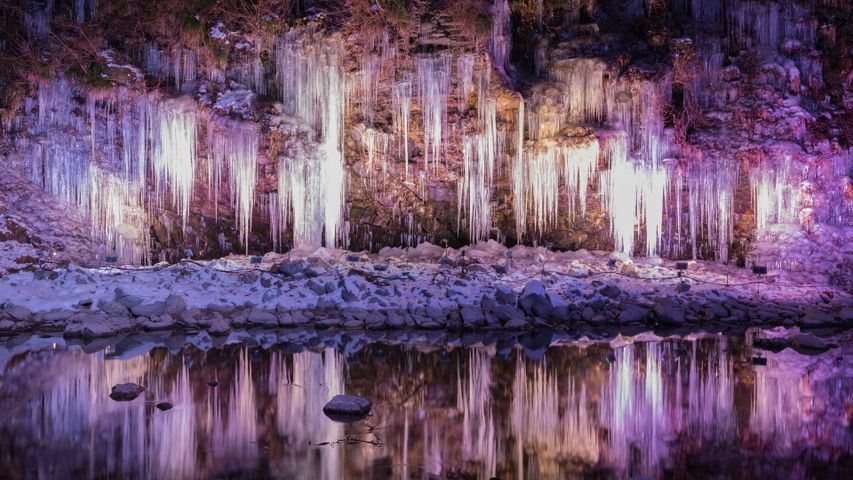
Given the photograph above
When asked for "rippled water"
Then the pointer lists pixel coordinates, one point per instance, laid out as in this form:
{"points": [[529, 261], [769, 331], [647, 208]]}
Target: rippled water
{"points": [[691, 407]]}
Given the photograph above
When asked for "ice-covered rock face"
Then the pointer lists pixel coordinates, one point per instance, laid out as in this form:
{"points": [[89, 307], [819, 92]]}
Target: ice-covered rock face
{"points": [[554, 125]]}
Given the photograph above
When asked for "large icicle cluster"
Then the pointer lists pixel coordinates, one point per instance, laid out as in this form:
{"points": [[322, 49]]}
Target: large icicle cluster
{"points": [[312, 181], [235, 145], [433, 80]]}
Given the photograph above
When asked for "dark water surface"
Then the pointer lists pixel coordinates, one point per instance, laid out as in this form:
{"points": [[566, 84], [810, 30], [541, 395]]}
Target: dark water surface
{"points": [[687, 407]]}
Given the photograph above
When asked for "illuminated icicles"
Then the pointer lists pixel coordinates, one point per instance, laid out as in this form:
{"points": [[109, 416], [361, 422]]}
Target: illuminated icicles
{"points": [[369, 72], [433, 81], [174, 158], [632, 193], [711, 183], [754, 24], [401, 102], [235, 145], [537, 176], [775, 191], [82, 165], [500, 40], [465, 86], [518, 176], [179, 64], [313, 88], [582, 83], [474, 189]]}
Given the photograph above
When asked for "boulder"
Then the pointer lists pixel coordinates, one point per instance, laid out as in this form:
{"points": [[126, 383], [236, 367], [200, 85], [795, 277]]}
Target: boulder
{"points": [[262, 317], [175, 305], [535, 300], [610, 291], [219, 326], [17, 312], [669, 312], [163, 406], [292, 268], [633, 313], [347, 408], [112, 308], [129, 301], [125, 392], [149, 309], [472, 317], [505, 295]]}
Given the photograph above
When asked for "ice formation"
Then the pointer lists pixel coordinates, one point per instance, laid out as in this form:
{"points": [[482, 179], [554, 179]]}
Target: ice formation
{"points": [[433, 81], [313, 181], [401, 97], [500, 41], [234, 145]]}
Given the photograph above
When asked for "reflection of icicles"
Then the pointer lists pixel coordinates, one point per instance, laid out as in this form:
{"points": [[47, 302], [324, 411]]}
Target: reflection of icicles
{"points": [[433, 79], [173, 437], [301, 391], [633, 410], [710, 394], [479, 442], [401, 99], [235, 145], [240, 436], [776, 412], [539, 425]]}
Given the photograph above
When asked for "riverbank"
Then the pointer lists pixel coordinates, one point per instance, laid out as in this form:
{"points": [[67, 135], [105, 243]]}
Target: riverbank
{"points": [[483, 287]]}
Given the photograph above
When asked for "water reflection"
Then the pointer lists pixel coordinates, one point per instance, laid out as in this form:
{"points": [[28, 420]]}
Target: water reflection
{"points": [[673, 408]]}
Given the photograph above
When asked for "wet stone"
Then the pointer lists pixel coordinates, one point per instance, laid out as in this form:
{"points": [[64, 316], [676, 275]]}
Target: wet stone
{"points": [[347, 408], [125, 392]]}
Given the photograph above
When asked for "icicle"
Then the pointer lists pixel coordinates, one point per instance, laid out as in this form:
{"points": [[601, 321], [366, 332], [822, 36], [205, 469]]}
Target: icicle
{"points": [[235, 144], [776, 192], [518, 177], [754, 24], [401, 100], [537, 180], [582, 82], [500, 41], [313, 88], [433, 79], [174, 157], [369, 78], [465, 67]]}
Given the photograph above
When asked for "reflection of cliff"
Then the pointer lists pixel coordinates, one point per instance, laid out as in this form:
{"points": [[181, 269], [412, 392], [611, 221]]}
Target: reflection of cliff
{"points": [[645, 408]]}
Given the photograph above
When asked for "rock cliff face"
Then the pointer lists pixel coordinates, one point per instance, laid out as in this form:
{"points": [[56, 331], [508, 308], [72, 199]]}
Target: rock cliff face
{"points": [[681, 128]]}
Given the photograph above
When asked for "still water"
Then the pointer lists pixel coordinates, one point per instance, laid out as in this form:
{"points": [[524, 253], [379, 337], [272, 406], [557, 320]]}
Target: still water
{"points": [[686, 407]]}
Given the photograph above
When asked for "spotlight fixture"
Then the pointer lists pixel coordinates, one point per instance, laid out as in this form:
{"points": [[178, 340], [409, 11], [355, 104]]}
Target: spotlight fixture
{"points": [[255, 260], [111, 259], [759, 361], [681, 265], [759, 270]]}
